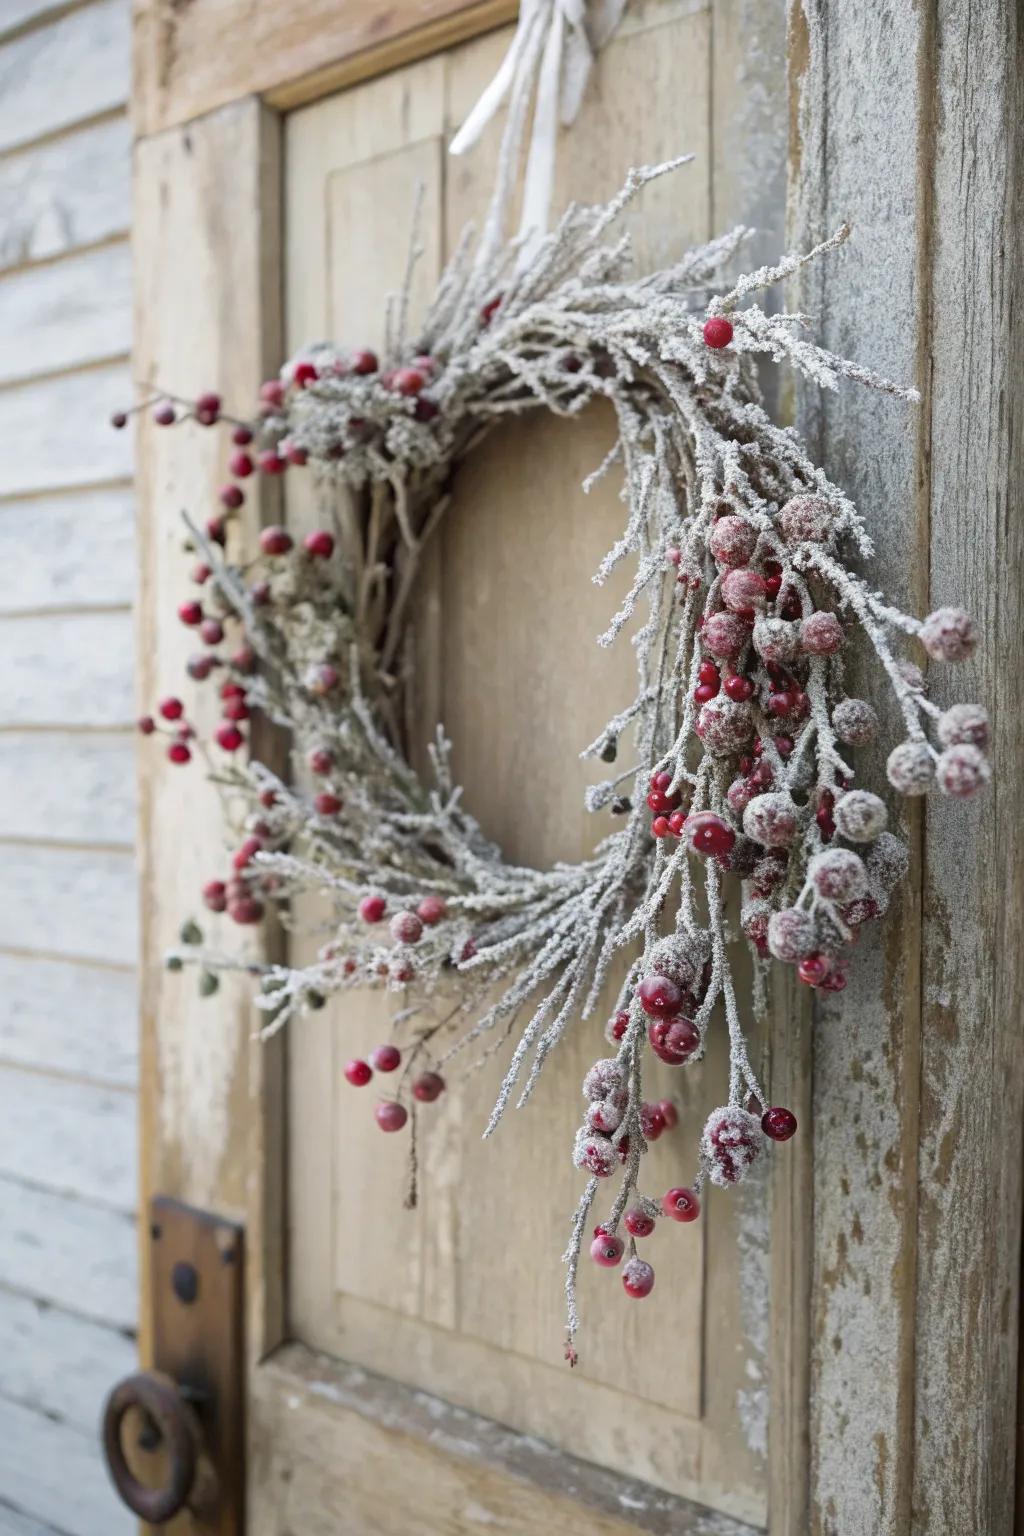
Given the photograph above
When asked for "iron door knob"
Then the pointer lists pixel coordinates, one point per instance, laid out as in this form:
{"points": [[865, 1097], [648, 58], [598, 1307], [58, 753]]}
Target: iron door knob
{"points": [[170, 1422]]}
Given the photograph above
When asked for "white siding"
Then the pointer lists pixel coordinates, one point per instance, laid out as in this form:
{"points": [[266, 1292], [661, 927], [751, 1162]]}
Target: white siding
{"points": [[68, 1053]]}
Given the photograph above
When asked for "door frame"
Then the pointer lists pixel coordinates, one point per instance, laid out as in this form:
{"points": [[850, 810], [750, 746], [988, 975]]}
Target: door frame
{"points": [[890, 1311]]}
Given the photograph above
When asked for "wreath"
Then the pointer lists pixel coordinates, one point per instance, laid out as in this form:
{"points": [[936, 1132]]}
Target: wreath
{"points": [[731, 762]]}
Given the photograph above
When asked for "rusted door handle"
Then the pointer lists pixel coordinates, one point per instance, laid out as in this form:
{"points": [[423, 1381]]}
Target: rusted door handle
{"points": [[177, 1430]]}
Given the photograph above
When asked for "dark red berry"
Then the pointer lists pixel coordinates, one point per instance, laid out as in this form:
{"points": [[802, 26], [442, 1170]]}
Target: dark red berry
{"points": [[147, 725], [241, 436], [304, 374], [240, 465], [431, 910], [651, 1121], [708, 834], [271, 463], [215, 895], [638, 1223], [673, 1041], [390, 1116], [216, 531], [232, 496], [364, 362], [669, 1114], [386, 1058], [327, 804], [708, 672], [659, 995], [272, 393], [319, 544], [618, 1024], [211, 632], [738, 688], [778, 1123], [358, 1073], [178, 752], [246, 910], [813, 969], [718, 332], [408, 381], [427, 1087], [119, 420], [164, 414], [275, 541], [320, 760], [490, 309], [171, 709]]}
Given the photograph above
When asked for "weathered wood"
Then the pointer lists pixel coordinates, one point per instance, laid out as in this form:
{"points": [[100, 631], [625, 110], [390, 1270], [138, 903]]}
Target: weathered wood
{"points": [[69, 901], [72, 1138], [19, 14], [78, 1020], [199, 58], [80, 1257], [68, 788], [62, 428], [206, 219], [53, 1469], [66, 314], [344, 1449], [54, 76], [59, 1364], [14, 1523], [65, 193], [71, 673], [88, 540], [918, 1158]]}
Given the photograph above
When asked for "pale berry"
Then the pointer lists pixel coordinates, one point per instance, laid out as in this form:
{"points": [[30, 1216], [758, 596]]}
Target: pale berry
{"points": [[821, 634], [390, 1116], [321, 678], [963, 725], [372, 909], [949, 634], [432, 910], [319, 544], [164, 414], [386, 1058], [606, 1250], [771, 820], [638, 1223], [275, 541], [358, 1073], [838, 874], [860, 816], [806, 519], [406, 928], [604, 1079], [792, 934], [961, 771], [744, 591], [200, 573], [779, 1124], [854, 722], [211, 632], [427, 1087], [272, 393], [775, 640], [724, 634], [596, 1154], [732, 540], [638, 1276], [718, 333], [681, 1204], [732, 1142], [604, 1115], [724, 726]]}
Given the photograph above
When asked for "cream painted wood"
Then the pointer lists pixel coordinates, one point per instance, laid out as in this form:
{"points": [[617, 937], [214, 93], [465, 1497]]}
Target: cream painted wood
{"points": [[436, 1298]]}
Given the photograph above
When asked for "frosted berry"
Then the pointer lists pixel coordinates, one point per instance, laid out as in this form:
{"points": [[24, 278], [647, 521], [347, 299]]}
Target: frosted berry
{"points": [[949, 634], [427, 1087], [776, 640], [911, 768], [821, 635], [171, 709], [708, 834], [838, 874], [637, 1222], [961, 771], [854, 722], [275, 541], [724, 726], [718, 333], [390, 1116], [638, 1276], [372, 909], [806, 519], [731, 1144], [673, 1041], [744, 591], [327, 803], [604, 1115], [860, 816], [229, 738], [358, 1073], [321, 678], [320, 760], [606, 1250], [779, 1124], [386, 1058], [272, 393], [432, 910], [814, 968], [681, 1204], [617, 1026], [724, 634], [319, 544], [659, 996], [963, 725], [604, 1079], [406, 928], [771, 820], [792, 933], [739, 795], [596, 1154], [733, 540]]}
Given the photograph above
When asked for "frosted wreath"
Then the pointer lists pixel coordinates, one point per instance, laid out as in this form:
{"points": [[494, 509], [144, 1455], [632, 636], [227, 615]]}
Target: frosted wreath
{"points": [[735, 748]]}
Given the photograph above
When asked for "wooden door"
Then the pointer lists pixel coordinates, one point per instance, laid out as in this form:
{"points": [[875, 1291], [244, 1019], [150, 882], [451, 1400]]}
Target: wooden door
{"points": [[404, 1369]]}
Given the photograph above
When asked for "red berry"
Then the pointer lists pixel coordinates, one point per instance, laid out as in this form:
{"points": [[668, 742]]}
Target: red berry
{"points": [[490, 309], [717, 332], [431, 910], [651, 1122], [215, 895], [386, 1058], [669, 1114], [673, 1041], [705, 692], [681, 1205], [426, 409], [606, 1250], [246, 910], [241, 435], [171, 709], [216, 531], [778, 1123], [240, 465], [294, 453], [364, 362], [408, 381], [178, 752], [638, 1223], [738, 688], [406, 928], [272, 393], [236, 709], [164, 414], [229, 738], [618, 1024], [813, 969], [638, 1278], [659, 995], [271, 463], [232, 496], [147, 725], [327, 803], [244, 659], [660, 826], [708, 672], [372, 909], [390, 1116], [211, 632], [320, 760], [208, 407], [707, 833], [319, 544], [304, 374], [190, 613], [427, 1087], [275, 541], [676, 823], [358, 1073], [244, 854], [200, 573]]}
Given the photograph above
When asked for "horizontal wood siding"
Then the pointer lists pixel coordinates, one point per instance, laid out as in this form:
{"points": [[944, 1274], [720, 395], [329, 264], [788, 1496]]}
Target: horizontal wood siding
{"points": [[68, 892]]}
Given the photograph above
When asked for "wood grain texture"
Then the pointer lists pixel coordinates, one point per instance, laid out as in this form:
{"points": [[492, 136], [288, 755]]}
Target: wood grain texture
{"points": [[205, 229], [85, 451], [66, 314], [65, 193], [76, 1256], [188, 61], [72, 1138], [87, 542], [68, 788], [331, 1438], [57, 1364], [53, 1469], [75, 672], [77, 1020], [14, 1523], [918, 1160], [69, 901], [52, 77]]}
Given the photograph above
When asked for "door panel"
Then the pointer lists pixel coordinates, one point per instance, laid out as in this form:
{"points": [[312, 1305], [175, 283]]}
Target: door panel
{"points": [[463, 1295]]}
